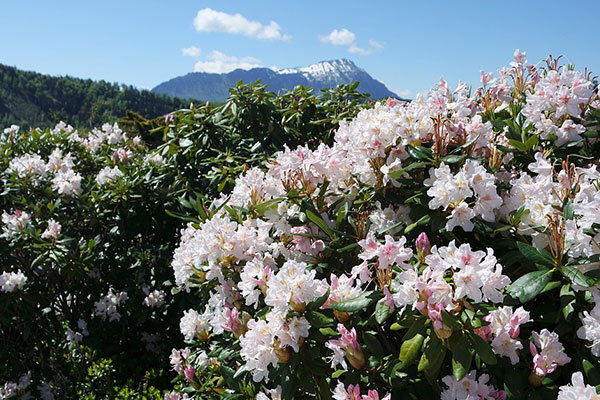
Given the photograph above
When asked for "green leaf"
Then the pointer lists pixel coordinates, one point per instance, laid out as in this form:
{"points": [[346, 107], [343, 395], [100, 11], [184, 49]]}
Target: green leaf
{"points": [[263, 207], [317, 220], [535, 255], [412, 342], [531, 142], [358, 303], [464, 146], [338, 373], [433, 355], [425, 219], [517, 145], [398, 173], [395, 326], [317, 302], [529, 285], [228, 374], [373, 345], [382, 312], [461, 358], [576, 276], [568, 212], [453, 158], [318, 320], [567, 300], [419, 152], [328, 332], [483, 349]]}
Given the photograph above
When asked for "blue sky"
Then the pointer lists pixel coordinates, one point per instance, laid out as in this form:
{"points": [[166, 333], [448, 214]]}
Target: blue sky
{"points": [[408, 45]]}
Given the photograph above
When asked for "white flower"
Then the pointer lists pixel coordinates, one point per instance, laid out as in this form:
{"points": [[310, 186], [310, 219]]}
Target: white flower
{"points": [[67, 182], [108, 174], [293, 285], [192, 323], [14, 223], [12, 281], [107, 305], [53, 230], [155, 299], [590, 329], [577, 390], [469, 388]]}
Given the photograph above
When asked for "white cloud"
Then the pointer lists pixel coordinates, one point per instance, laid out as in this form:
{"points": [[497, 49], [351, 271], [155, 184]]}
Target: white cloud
{"points": [[209, 20], [354, 49], [219, 63], [375, 44], [344, 37], [191, 51]]}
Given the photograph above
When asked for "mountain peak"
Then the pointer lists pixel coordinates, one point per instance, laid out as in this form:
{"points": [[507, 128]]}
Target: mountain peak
{"points": [[324, 68], [321, 75]]}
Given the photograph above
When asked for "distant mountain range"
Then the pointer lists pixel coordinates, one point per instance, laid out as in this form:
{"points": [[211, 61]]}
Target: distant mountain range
{"points": [[325, 74]]}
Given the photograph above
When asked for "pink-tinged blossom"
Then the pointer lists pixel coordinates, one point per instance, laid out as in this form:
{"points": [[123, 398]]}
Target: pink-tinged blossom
{"points": [[155, 298], [590, 328], [192, 323], [504, 326], [391, 252], [190, 373], [374, 395], [451, 191], [342, 288], [176, 396], [347, 345], [108, 174], [352, 392], [550, 355], [306, 244], [293, 286], [178, 359]]}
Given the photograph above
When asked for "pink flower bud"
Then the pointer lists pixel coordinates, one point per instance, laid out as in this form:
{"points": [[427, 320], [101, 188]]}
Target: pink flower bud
{"points": [[423, 246], [190, 373]]}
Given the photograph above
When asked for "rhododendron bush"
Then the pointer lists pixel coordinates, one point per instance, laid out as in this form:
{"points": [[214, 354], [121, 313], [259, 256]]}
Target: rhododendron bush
{"points": [[88, 305], [442, 248]]}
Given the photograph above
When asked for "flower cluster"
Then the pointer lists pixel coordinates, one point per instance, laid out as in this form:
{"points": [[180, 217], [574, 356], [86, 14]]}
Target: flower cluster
{"points": [[31, 166], [107, 305], [470, 387], [14, 223], [504, 328], [12, 281]]}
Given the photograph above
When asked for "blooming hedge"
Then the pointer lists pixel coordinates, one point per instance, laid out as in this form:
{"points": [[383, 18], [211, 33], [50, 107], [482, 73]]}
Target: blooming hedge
{"points": [[442, 248], [89, 224]]}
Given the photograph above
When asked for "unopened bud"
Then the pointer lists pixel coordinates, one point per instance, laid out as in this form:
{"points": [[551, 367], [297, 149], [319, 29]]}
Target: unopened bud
{"points": [[341, 316], [423, 246], [355, 357]]}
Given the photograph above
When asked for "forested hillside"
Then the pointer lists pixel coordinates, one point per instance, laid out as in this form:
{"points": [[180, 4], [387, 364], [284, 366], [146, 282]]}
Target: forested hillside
{"points": [[33, 99]]}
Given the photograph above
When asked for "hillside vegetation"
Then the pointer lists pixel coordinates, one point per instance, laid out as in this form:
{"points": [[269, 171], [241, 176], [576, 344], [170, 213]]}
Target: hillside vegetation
{"points": [[34, 99]]}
